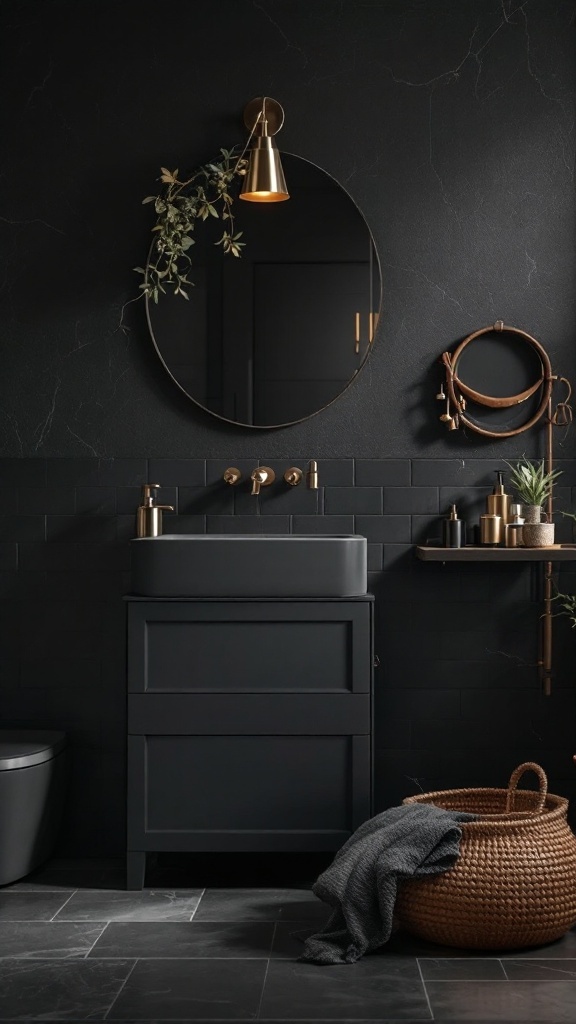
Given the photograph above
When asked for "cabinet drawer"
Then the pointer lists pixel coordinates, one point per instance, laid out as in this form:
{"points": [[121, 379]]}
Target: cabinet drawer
{"points": [[249, 647], [240, 713], [246, 792]]}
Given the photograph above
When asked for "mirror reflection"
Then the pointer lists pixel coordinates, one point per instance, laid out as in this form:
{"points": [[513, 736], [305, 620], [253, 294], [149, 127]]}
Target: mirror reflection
{"points": [[274, 336]]}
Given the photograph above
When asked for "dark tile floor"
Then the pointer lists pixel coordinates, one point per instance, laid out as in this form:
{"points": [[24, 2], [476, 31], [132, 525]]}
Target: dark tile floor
{"points": [[75, 946]]}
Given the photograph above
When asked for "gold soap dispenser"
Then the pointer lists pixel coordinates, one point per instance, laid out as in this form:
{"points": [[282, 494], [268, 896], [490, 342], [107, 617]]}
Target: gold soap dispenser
{"points": [[149, 515], [498, 503]]}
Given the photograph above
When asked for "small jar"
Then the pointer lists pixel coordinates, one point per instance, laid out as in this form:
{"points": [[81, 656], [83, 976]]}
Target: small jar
{"points": [[513, 529], [490, 529]]}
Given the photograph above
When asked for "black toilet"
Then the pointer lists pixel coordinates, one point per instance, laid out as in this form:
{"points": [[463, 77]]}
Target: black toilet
{"points": [[32, 784]]}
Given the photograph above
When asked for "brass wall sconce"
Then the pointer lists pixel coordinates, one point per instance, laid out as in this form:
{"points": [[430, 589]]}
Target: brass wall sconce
{"points": [[264, 181]]}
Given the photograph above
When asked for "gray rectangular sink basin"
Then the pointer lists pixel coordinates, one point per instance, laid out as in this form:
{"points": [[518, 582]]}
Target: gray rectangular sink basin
{"points": [[248, 565]]}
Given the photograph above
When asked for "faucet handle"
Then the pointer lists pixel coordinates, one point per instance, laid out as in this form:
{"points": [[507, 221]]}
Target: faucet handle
{"points": [[262, 476], [293, 476]]}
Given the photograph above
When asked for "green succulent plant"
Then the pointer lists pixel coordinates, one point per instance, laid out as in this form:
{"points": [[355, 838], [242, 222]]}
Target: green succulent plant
{"points": [[531, 481], [179, 205]]}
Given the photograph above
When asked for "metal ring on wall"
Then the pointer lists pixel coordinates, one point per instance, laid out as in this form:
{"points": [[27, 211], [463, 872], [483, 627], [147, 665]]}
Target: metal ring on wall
{"points": [[457, 389]]}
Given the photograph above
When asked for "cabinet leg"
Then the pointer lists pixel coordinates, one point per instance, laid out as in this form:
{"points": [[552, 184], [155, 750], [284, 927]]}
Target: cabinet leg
{"points": [[135, 869]]}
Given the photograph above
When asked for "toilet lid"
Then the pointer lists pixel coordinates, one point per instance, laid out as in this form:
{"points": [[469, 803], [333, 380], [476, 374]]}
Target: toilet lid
{"points": [[22, 748]]}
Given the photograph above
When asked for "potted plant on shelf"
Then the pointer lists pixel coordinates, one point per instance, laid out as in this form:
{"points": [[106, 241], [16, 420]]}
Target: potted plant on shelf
{"points": [[534, 486]]}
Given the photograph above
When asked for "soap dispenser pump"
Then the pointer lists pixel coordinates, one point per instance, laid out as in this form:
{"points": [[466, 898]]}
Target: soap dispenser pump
{"points": [[499, 502], [453, 530], [149, 515]]}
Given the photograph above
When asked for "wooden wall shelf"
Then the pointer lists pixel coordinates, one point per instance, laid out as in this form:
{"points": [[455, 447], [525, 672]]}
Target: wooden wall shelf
{"points": [[556, 553]]}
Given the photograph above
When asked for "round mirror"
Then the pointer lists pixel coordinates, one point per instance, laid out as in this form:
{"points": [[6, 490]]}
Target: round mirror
{"points": [[272, 337]]}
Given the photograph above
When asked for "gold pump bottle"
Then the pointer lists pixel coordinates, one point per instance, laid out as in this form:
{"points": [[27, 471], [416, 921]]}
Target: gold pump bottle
{"points": [[498, 503]]}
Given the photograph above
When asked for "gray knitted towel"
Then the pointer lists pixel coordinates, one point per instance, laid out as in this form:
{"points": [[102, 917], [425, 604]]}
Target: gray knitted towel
{"points": [[360, 884]]}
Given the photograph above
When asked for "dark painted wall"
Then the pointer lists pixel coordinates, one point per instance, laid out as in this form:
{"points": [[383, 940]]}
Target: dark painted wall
{"points": [[451, 126]]}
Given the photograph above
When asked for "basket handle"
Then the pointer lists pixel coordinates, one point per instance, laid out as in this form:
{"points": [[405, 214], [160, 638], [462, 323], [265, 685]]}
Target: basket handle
{"points": [[515, 778]]}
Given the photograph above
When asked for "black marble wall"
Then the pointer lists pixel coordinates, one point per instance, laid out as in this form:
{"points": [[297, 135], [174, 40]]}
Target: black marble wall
{"points": [[451, 126]]}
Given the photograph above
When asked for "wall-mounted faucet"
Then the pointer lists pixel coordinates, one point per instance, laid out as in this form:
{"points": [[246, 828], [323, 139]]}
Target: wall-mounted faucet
{"points": [[149, 515], [262, 476]]}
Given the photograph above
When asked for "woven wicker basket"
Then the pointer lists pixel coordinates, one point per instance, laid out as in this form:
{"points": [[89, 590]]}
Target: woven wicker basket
{"points": [[514, 883]]}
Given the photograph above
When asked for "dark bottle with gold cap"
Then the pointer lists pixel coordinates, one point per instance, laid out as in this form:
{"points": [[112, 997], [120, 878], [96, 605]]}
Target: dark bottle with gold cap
{"points": [[453, 530]]}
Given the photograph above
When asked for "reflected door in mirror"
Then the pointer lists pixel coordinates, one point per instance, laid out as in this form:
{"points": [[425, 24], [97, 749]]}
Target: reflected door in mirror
{"points": [[273, 337]]}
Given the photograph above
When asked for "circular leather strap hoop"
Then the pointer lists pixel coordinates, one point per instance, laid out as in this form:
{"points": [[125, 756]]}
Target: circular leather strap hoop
{"points": [[456, 388]]}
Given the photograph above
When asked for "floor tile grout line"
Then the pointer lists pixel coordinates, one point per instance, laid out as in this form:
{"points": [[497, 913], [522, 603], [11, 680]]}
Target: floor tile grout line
{"points": [[35, 892], [63, 905], [274, 931], [126, 956], [262, 992], [121, 989], [194, 912], [98, 937], [425, 989]]}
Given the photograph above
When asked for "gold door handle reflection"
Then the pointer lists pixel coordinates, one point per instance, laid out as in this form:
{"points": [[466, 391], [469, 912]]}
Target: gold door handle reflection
{"points": [[373, 317], [372, 325]]}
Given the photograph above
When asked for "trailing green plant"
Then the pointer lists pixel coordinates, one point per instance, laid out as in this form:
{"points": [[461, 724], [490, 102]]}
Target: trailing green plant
{"points": [[568, 606], [179, 206], [531, 482]]}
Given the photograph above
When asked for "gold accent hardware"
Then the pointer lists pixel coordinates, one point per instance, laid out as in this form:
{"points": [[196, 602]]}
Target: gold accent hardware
{"points": [[446, 417], [312, 475], [149, 515], [264, 181], [232, 475], [148, 498], [374, 317], [293, 476], [357, 333], [262, 476]]}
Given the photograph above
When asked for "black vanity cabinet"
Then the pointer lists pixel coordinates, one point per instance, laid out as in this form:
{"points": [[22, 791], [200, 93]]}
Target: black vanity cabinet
{"points": [[249, 725]]}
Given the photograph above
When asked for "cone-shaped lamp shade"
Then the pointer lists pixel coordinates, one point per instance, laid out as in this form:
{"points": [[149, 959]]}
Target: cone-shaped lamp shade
{"points": [[264, 181]]}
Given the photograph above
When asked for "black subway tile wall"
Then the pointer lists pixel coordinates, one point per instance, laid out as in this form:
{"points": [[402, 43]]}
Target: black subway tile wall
{"points": [[457, 695]]}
